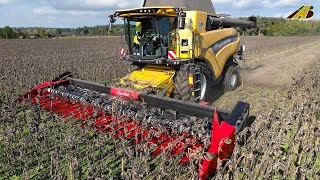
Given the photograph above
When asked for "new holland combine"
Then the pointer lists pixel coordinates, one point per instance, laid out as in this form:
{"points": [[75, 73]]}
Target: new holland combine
{"points": [[181, 50]]}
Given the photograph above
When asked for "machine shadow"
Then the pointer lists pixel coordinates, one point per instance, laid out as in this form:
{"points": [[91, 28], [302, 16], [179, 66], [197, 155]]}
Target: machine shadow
{"points": [[216, 94]]}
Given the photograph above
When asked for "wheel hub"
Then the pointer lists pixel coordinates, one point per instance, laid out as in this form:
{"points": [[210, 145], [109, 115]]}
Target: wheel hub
{"points": [[233, 79], [203, 86]]}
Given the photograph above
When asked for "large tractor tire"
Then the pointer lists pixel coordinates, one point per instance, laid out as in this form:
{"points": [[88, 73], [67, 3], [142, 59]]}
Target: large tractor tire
{"points": [[207, 84], [231, 79], [182, 89]]}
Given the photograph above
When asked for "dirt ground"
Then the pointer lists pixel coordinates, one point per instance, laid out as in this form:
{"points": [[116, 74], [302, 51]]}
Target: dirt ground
{"points": [[280, 81], [277, 70], [266, 75], [284, 140]]}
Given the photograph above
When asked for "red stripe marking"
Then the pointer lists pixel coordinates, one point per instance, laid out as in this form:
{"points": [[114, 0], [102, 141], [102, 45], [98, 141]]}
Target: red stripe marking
{"points": [[124, 93], [172, 55]]}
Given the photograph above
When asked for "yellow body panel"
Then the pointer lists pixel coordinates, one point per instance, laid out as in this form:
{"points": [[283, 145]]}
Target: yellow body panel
{"points": [[196, 20], [184, 52], [195, 24], [206, 41], [203, 41], [153, 77]]}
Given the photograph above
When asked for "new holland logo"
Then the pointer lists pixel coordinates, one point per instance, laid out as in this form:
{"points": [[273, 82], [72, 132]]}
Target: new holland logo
{"points": [[304, 12]]}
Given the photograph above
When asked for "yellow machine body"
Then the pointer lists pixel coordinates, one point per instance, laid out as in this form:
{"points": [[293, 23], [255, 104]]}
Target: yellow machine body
{"points": [[214, 47], [220, 45], [151, 77]]}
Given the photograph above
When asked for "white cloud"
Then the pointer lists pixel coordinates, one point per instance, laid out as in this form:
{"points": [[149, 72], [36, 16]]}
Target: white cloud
{"points": [[94, 4], [50, 11], [74, 13], [246, 4], [6, 1], [241, 4], [289, 3], [283, 14], [83, 7]]}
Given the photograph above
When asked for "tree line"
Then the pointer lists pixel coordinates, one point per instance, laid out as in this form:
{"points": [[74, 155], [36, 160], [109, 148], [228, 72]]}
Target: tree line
{"points": [[267, 26], [99, 30], [39, 32], [22, 33], [272, 26]]}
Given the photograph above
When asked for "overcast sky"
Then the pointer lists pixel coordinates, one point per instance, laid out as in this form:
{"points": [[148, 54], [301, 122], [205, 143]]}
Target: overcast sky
{"points": [[75, 13]]}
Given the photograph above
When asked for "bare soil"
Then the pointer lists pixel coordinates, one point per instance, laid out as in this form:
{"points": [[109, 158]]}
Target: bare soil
{"points": [[280, 81], [282, 87], [284, 141], [277, 70], [269, 69]]}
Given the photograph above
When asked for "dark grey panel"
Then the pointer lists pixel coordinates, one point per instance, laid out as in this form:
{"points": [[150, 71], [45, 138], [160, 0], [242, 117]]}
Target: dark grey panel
{"points": [[199, 5], [216, 47]]}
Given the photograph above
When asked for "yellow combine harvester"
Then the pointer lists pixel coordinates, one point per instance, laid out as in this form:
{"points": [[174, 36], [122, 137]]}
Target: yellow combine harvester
{"points": [[182, 49]]}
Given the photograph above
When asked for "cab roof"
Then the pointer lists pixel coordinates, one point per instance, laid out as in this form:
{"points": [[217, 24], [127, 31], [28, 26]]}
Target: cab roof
{"points": [[157, 11], [189, 5]]}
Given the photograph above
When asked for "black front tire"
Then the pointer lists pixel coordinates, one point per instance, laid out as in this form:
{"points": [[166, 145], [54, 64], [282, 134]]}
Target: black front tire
{"points": [[182, 89], [231, 78], [209, 91]]}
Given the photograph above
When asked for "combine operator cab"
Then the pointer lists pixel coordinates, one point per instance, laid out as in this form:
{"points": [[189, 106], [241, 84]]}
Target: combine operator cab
{"points": [[148, 37], [157, 35]]}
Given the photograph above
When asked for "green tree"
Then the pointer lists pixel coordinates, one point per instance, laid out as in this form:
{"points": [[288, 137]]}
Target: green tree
{"points": [[1, 35], [58, 31], [85, 30], [43, 33], [78, 30], [21, 34], [40, 32], [294, 28], [8, 33], [262, 24]]}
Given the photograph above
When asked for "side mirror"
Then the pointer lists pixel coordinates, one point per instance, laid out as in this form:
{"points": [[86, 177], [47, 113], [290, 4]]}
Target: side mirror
{"points": [[182, 20], [112, 20], [110, 26]]}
